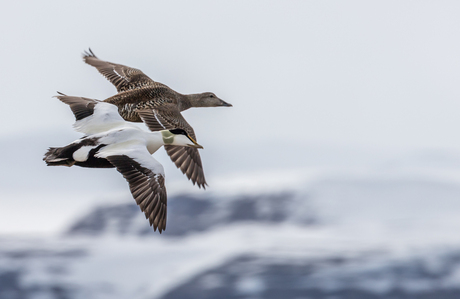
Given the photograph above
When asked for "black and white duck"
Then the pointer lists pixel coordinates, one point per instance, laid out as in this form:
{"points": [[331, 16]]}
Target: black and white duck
{"points": [[110, 141]]}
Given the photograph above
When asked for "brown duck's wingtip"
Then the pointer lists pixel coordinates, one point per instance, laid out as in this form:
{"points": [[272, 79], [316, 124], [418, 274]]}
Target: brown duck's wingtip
{"points": [[160, 229], [59, 95], [202, 185], [88, 53]]}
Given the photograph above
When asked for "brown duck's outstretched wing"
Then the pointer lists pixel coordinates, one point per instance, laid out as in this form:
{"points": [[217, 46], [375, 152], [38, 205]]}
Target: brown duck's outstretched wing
{"points": [[147, 185], [123, 77], [187, 159]]}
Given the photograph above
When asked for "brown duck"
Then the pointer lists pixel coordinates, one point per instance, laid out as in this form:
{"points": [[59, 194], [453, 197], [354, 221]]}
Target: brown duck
{"points": [[160, 108]]}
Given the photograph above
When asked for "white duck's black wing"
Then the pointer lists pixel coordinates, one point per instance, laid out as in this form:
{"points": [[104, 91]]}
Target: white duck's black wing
{"points": [[146, 181], [92, 116], [80, 106], [123, 77], [187, 159]]}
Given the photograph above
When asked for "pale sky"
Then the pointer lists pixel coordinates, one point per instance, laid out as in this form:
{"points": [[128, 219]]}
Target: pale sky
{"points": [[356, 74], [379, 73]]}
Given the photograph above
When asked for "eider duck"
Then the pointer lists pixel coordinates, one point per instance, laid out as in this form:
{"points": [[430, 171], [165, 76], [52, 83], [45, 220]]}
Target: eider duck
{"points": [[110, 141], [136, 91]]}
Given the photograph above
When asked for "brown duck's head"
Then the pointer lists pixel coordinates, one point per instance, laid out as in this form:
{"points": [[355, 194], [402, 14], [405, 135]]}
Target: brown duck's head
{"points": [[209, 99]]}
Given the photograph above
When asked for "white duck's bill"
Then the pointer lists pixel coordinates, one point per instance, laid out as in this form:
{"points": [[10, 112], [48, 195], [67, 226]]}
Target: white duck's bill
{"points": [[184, 140], [196, 145]]}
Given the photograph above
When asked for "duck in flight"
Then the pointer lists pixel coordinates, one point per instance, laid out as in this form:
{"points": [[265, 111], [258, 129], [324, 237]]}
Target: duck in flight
{"points": [[110, 141], [161, 109]]}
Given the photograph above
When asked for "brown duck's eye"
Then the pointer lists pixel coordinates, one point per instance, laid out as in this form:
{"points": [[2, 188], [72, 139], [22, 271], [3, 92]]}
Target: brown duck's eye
{"points": [[211, 96]]}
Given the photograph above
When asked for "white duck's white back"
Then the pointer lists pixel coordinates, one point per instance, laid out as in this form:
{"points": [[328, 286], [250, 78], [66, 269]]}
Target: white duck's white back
{"points": [[104, 118]]}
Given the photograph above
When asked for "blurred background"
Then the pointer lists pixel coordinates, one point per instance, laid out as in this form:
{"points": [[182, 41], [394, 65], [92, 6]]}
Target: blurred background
{"points": [[335, 175]]}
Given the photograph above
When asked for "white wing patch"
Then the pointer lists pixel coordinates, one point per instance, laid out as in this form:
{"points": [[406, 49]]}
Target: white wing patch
{"points": [[156, 117], [136, 151], [115, 71], [118, 74], [81, 155], [104, 118]]}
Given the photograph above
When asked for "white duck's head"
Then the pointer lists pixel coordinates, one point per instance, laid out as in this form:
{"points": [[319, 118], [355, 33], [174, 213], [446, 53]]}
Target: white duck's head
{"points": [[178, 137]]}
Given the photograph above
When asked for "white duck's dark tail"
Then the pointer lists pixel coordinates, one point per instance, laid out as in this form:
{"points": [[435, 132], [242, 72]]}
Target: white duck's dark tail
{"points": [[60, 156], [64, 156]]}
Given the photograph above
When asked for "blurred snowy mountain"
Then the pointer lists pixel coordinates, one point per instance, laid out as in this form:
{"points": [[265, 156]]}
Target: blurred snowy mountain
{"points": [[338, 237], [188, 215]]}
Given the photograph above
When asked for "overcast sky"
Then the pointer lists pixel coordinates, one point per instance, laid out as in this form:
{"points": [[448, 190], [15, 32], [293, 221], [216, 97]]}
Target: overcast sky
{"points": [[364, 74], [381, 73]]}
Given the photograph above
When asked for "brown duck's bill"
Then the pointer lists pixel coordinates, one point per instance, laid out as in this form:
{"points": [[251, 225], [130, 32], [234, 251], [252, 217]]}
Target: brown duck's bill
{"points": [[225, 104]]}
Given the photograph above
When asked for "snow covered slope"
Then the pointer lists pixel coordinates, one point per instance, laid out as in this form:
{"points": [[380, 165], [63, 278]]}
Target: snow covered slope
{"points": [[357, 236], [190, 214]]}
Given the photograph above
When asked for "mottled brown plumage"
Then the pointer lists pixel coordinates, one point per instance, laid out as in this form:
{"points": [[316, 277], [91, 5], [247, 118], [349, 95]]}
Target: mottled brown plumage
{"points": [[160, 104]]}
